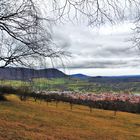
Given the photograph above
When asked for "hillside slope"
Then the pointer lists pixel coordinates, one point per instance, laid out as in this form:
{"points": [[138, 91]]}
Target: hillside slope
{"points": [[39, 121], [26, 74]]}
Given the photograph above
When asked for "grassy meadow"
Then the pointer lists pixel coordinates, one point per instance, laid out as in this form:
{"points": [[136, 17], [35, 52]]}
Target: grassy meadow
{"points": [[31, 120]]}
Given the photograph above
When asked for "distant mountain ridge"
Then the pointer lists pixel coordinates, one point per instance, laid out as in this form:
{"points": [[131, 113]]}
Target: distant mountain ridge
{"points": [[115, 79], [17, 73], [108, 79], [80, 76]]}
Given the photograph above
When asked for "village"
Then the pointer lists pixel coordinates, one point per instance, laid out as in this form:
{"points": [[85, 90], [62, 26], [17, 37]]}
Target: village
{"points": [[107, 96]]}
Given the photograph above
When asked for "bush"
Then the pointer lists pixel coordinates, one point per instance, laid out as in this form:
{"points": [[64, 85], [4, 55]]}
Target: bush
{"points": [[2, 98]]}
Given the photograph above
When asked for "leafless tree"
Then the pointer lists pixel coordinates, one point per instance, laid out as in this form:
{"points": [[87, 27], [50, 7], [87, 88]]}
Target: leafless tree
{"points": [[136, 37], [97, 12], [24, 34], [94, 12]]}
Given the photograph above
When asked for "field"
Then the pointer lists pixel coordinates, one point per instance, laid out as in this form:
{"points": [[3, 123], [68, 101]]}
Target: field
{"points": [[38, 121], [71, 84]]}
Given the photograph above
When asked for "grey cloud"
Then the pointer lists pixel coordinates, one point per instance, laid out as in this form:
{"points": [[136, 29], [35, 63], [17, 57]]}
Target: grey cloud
{"points": [[106, 63], [93, 50]]}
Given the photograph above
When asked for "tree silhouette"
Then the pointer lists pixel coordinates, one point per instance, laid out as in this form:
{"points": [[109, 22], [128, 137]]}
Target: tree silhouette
{"points": [[24, 35]]}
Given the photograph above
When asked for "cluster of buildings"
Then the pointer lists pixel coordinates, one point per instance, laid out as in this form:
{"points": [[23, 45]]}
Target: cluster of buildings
{"points": [[125, 97], [132, 98]]}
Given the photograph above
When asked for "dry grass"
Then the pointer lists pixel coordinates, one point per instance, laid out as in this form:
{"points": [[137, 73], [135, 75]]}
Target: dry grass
{"points": [[37, 121]]}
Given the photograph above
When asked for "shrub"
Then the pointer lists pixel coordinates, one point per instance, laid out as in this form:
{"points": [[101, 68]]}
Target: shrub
{"points": [[2, 97]]}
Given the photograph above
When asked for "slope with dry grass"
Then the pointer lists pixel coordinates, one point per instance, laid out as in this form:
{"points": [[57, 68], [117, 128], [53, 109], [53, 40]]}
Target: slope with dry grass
{"points": [[38, 121]]}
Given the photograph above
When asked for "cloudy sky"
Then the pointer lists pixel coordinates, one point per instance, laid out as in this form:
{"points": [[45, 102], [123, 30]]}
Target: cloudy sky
{"points": [[99, 51]]}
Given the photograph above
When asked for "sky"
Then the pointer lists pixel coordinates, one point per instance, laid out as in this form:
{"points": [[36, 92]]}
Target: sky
{"points": [[105, 51]]}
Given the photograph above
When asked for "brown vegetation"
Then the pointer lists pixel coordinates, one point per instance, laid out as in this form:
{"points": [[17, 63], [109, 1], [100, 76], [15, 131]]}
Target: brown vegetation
{"points": [[35, 120]]}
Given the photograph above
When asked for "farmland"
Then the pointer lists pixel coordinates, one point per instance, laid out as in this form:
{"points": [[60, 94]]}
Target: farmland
{"points": [[72, 84]]}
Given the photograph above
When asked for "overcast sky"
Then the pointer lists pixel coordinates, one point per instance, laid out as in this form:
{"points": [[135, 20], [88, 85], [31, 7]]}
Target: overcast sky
{"points": [[104, 51], [98, 51]]}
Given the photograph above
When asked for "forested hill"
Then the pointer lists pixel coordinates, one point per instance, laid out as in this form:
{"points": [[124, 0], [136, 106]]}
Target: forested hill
{"points": [[17, 73]]}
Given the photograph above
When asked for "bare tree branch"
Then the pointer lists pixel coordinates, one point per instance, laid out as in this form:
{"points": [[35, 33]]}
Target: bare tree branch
{"points": [[26, 34]]}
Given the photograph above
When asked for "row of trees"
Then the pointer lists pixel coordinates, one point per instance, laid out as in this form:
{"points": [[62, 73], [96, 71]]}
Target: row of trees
{"points": [[25, 29], [106, 105], [26, 93]]}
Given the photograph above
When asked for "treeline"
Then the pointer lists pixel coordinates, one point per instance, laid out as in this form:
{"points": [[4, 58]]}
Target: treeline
{"points": [[25, 93]]}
